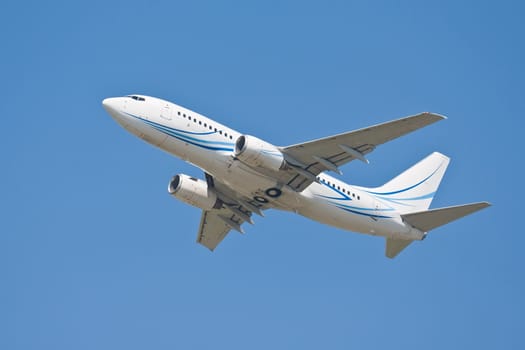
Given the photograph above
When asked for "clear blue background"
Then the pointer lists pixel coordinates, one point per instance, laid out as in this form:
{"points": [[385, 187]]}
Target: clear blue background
{"points": [[94, 254]]}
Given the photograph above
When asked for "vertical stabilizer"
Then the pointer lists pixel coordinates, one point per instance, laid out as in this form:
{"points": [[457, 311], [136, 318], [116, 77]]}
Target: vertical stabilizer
{"points": [[414, 189]]}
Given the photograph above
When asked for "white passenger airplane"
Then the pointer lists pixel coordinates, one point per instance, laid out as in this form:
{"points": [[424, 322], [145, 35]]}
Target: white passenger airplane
{"points": [[246, 175]]}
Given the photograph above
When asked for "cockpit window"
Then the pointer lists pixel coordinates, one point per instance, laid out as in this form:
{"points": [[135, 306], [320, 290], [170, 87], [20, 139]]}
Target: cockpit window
{"points": [[137, 98]]}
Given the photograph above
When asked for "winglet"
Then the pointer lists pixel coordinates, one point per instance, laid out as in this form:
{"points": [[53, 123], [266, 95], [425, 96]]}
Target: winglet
{"points": [[436, 116]]}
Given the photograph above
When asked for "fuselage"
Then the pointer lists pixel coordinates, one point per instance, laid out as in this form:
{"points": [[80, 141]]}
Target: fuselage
{"points": [[209, 145]]}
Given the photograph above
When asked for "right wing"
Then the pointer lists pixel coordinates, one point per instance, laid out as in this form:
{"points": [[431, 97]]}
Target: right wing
{"points": [[313, 157]]}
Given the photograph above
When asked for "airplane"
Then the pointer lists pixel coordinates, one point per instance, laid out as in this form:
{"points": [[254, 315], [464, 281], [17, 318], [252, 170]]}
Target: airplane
{"points": [[244, 175]]}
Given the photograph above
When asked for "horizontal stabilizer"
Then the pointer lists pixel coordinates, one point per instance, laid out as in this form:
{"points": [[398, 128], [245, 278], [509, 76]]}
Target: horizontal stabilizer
{"points": [[395, 246], [430, 219]]}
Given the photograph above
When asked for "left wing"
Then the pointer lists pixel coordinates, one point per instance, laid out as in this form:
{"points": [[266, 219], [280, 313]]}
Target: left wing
{"points": [[214, 227], [309, 159], [235, 210]]}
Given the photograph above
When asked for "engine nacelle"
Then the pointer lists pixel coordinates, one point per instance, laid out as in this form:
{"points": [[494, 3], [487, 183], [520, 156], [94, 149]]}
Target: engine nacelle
{"points": [[258, 153], [193, 191]]}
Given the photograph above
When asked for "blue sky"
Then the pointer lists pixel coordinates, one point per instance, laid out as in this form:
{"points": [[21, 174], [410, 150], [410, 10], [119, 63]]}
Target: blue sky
{"points": [[95, 254]]}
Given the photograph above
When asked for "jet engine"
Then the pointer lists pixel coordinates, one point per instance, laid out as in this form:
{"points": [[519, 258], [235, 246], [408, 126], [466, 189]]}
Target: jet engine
{"points": [[258, 153], [193, 191]]}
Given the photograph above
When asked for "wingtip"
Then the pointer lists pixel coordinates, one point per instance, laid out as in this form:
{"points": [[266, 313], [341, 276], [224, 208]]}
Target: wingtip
{"points": [[436, 115], [482, 205]]}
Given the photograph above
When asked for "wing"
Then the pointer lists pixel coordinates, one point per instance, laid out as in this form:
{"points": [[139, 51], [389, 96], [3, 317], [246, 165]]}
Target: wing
{"points": [[215, 226], [311, 158], [235, 210]]}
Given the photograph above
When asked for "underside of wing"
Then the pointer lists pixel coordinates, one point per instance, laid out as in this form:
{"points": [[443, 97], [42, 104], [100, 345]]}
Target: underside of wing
{"points": [[329, 153], [215, 225], [212, 230], [235, 210], [233, 199]]}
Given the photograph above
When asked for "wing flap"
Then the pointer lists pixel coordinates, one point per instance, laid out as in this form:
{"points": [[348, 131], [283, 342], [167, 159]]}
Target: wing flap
{"points": [[212, 230], [215, 224]]}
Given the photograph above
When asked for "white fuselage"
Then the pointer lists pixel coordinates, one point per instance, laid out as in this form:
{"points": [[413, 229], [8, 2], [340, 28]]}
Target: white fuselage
{"points": [[209, 145]]}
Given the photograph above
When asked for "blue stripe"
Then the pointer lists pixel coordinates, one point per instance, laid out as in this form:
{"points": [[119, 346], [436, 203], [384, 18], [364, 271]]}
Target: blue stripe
{"points": [[194, 143], [361, 208], [177, 133], [184, 131], [394, 201], [351, 209], [343, 198], [426, 196], [169, 130], [365, 214], [408, 188]]}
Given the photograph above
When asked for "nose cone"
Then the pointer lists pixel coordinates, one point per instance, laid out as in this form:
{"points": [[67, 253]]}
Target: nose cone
{"points": [[112, 106]]}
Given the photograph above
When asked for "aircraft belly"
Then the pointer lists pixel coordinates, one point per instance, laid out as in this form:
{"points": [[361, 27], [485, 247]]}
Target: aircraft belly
{"points": [[248, 182], [326, 213], [329, 215]]}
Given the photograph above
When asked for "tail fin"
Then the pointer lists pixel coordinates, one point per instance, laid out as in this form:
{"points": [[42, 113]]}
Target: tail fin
{"points": [[414, 189], [430, 219]]}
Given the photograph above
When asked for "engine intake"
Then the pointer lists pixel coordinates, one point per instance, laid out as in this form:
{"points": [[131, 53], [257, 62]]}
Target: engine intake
{"points": [[194, 192], [258, 153]]}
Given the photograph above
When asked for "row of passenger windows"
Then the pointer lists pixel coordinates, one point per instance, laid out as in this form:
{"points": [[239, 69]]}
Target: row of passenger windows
{"points": [[206, 125], [138, 98], [342, 189]]}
